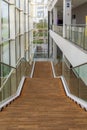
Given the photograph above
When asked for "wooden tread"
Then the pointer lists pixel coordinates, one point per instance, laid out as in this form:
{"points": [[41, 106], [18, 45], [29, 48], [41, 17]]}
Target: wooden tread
{"points": [[43, 105]]}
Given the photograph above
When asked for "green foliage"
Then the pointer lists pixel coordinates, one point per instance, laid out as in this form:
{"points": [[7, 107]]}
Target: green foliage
{"points": [[38, 42], [42, 24], [5, 70]]}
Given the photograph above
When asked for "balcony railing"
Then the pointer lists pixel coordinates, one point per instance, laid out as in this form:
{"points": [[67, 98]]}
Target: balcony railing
{"points": [[58, 29], [41, 51], [77, 34]]}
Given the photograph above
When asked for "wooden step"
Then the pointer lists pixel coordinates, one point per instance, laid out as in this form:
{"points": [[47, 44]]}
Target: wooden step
{"points": [[43, 70], [43, 105]]}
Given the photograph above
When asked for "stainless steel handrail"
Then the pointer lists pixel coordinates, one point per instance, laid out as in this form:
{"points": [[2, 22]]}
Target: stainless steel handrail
{"points": [[7, 65], [19, 62]]}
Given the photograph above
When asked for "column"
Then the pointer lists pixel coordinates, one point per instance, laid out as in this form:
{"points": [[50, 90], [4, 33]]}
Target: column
{"points": [[50, 39], [0, 42], [12, 33], [54, 23], [22, 29], [31, 54], [66, 15]]}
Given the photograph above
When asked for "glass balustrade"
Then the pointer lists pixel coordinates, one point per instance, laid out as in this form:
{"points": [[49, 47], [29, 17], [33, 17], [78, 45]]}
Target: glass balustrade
{"points": [[76, 79], [8, 82], [57, 64], [10, 78], [41, 51], [57, 68], [58, 29], [77, 34]]}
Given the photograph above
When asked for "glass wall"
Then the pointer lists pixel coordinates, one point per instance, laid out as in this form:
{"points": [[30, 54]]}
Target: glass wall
{"points": [[4, 20], [26, 28], [14, 31], [17, 30], [40, 31], [18, 3], [5, 32], [14, 45], [5, 43], [17, 41]]}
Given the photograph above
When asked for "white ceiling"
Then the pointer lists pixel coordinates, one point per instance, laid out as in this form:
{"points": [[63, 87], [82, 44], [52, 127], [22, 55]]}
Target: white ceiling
{"points": [[76, 3]]}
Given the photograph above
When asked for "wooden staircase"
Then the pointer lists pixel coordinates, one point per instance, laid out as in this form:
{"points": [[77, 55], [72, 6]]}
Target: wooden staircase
{"points": [[43, 105]]}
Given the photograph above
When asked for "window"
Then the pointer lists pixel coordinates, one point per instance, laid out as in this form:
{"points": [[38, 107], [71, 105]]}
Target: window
{"points": [[4, 20], [18, 3], [5, 52], [5, 32], [17, 21], [17, 48], [17, 27]]}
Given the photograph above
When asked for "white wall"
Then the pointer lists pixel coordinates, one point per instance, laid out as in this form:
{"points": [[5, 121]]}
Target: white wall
{"points": [[80, 13]]}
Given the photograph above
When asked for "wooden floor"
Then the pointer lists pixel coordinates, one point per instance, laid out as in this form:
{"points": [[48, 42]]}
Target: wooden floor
{"points": [[43, 105]]}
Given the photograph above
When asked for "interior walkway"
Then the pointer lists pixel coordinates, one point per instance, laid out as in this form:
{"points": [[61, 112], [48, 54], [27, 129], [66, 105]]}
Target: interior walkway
{"points": [[43, 105]]}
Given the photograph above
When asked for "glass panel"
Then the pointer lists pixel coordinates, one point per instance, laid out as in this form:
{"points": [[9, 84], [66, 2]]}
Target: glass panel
{"points": [[13, 82], [24, 5], [85, 41], [17, 21], [58, 63], [40, 25], [18, 74], [4, 20], [76, 79], [66, 73], [59, 30], [41, 51], [28, 68], [5, 52], [17, 48], [18, 3], [7, 89], [26, 41], [10, 78], [9, 86], [72, 79], [82, 73], [77, 34], [23, 67], [1, 94], [5, 70]]}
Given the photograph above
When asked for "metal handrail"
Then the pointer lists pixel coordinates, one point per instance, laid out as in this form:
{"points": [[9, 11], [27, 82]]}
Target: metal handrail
{"points": [[2, 86], [7, 65], [77, 25], [10, 71], [12, 96]]}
